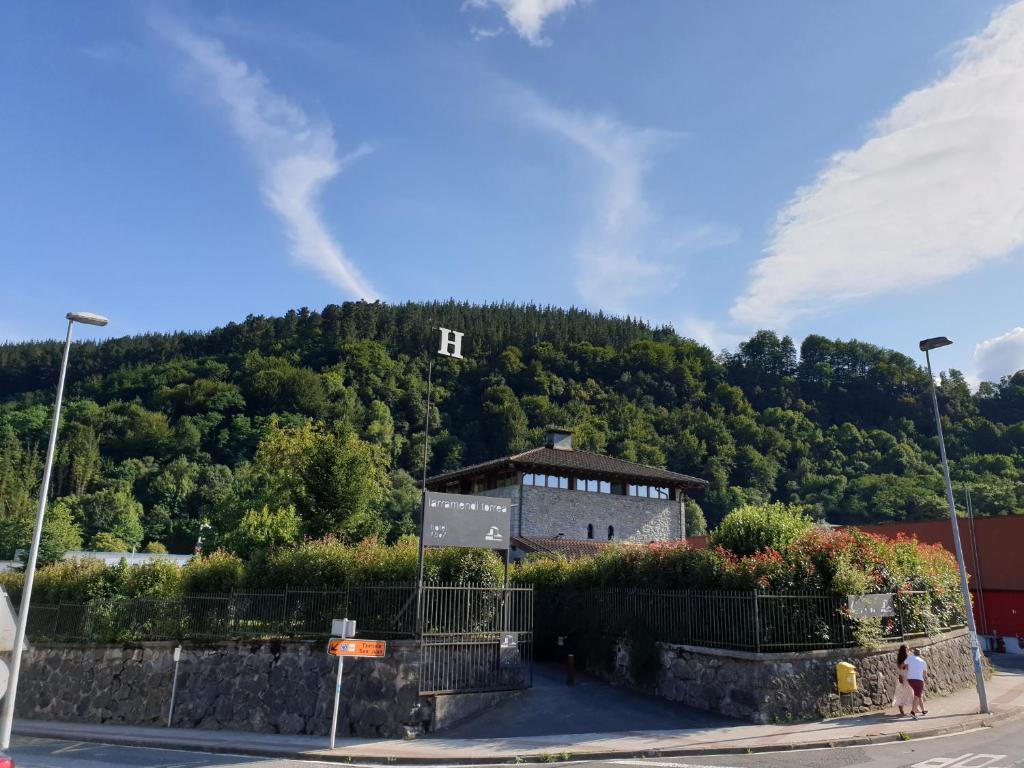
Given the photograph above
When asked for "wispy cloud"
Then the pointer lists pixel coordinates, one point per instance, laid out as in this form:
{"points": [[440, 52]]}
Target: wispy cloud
{"points": [[482, 33], [625, 251], [1001, 356], [708, 332], [296, 155], [526, 17], [933, 193]]}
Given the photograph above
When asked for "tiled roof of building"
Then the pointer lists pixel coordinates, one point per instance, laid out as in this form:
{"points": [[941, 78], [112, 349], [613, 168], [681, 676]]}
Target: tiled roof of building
{"points": [[547, 459], [571, 548]]}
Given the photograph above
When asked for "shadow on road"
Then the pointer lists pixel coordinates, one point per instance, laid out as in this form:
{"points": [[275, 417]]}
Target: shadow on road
{"points": [[591, 706]]}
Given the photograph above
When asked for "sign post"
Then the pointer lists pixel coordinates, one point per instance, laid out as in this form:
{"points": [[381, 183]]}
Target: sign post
{"points": [[345, 628], [174, 685]]}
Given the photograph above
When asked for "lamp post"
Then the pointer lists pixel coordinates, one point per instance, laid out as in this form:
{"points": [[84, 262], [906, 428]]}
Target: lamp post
{"points": [[87, 318], [979, 674]]}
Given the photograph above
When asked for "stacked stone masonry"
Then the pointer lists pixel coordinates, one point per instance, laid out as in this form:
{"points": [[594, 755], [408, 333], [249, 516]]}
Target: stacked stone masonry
{"points": [[269, 687], [766, 688], [548, 512]]}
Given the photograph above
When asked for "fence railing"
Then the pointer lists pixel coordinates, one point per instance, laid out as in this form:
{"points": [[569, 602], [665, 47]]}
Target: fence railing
{"points": [[476, 639], [382, 610], [758, 621]]}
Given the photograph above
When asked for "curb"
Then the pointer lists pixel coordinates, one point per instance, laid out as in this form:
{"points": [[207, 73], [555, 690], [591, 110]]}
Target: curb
{"points": [[976, 721]]}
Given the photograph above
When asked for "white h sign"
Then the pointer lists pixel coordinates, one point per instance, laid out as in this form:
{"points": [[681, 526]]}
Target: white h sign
{"points": [[451, 343]]}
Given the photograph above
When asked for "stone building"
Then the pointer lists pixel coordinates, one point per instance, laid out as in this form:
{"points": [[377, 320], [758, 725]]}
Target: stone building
{"points": [[561, 495]]}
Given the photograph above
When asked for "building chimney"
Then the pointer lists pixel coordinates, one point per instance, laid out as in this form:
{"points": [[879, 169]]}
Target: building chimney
{"points": [[560, 439]]}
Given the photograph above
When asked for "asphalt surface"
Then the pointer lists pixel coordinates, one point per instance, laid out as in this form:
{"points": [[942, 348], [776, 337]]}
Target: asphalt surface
{"points": [[551, 707], [999, 747]]}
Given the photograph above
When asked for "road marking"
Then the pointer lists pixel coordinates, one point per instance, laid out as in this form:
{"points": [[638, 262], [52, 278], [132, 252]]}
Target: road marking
{"points": [[657, 764], [76, 746], [966, 760]]}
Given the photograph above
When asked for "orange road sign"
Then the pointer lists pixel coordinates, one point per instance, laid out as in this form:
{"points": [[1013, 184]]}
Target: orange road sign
{"points": [[339, 646]]}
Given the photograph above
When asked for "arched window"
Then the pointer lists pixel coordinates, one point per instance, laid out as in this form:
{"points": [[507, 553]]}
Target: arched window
{"points": [[590, 530], [611, 532]]}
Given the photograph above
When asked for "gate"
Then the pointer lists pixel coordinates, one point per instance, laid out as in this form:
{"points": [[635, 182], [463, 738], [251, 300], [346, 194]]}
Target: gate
{"points": [[475, 638]]}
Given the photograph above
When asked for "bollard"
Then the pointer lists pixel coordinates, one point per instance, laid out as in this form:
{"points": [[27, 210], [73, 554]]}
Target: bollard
{"points": [[570, 670]]}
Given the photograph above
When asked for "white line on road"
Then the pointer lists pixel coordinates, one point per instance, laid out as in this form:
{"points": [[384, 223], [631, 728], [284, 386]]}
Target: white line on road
{"points": [[656, 764]]}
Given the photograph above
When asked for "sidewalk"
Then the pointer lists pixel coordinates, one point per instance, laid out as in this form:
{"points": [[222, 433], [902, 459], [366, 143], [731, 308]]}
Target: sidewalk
{"points": [[946, 715]]}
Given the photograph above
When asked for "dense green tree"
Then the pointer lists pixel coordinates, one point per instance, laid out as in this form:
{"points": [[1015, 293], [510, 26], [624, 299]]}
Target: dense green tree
{"points": [[326, 411], [263, 530]]}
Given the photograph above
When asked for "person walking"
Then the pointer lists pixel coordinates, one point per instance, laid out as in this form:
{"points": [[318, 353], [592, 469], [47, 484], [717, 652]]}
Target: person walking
{"points": [[917, 673], [903, 696]]}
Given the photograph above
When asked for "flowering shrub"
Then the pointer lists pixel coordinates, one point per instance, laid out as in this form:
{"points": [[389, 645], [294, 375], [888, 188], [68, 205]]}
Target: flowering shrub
{"points": [[841, 562]]}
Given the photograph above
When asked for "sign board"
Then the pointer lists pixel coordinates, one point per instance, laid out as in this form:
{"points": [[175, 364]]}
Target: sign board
{"points": [[343, 627], [8, 622], [340, 646], [508, 650], [455, 520], [871, 606]]}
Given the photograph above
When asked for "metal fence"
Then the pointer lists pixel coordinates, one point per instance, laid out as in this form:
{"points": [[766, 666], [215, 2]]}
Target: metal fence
{"points": [[387, 610], [382, 610], [756, 621], [476, 638], [473, 637]]}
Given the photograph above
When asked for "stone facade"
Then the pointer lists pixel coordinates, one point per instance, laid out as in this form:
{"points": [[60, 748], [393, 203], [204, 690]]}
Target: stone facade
{"points": [[778, 687], [270, 687], [548, 512]]}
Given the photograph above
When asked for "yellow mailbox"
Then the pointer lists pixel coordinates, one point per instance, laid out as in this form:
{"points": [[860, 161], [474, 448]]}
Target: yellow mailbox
{"points": [[846, 677]]}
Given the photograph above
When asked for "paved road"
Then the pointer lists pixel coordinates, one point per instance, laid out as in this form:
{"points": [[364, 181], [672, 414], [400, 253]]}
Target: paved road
{"points": [[1000, 747], [551, 707], [50, 753]]}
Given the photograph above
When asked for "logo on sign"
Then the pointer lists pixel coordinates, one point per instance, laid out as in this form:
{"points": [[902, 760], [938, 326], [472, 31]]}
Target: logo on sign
{"points": [[439, 531], [493, 534], [451, 343]]}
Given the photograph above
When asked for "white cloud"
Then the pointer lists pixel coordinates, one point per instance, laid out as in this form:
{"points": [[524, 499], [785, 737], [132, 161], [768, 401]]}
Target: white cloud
{"points": [[933, 193], [625, 252], [614, 267], [482, 33], [296, 155], [1001, 356], [526, 17], [709, 333]]}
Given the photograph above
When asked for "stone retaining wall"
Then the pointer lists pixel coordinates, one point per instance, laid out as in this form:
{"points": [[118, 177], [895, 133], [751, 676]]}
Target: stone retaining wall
{"points": [[777, 687], [270, 687]]}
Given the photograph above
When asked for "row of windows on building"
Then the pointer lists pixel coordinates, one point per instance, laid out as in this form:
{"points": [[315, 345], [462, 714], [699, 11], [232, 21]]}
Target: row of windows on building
{"points": [[590, 531], [594, 486]]}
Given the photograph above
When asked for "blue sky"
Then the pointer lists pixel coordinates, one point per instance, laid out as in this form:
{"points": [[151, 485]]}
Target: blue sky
{"points": [[849, 168]]}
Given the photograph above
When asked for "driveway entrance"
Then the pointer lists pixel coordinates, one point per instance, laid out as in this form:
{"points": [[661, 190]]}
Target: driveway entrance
{"points": [[551, 707]]}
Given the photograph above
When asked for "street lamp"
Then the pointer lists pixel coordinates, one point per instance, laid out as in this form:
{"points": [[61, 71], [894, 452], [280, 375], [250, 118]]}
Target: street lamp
{"points": [[87, 318], [979, 674]]}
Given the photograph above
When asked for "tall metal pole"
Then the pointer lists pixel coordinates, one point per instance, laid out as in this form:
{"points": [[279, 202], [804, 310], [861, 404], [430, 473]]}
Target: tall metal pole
{"points": [[426, 449], [972, 632], [337, 700], [33, 555], [979, 585], [423, 501]]}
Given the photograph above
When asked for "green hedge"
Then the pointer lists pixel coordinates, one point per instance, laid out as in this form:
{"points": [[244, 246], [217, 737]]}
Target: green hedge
{"points": [[322, 563]]}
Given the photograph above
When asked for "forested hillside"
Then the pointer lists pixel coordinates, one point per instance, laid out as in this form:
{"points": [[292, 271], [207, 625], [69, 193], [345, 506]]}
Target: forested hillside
{"points": [[312, 423]]}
